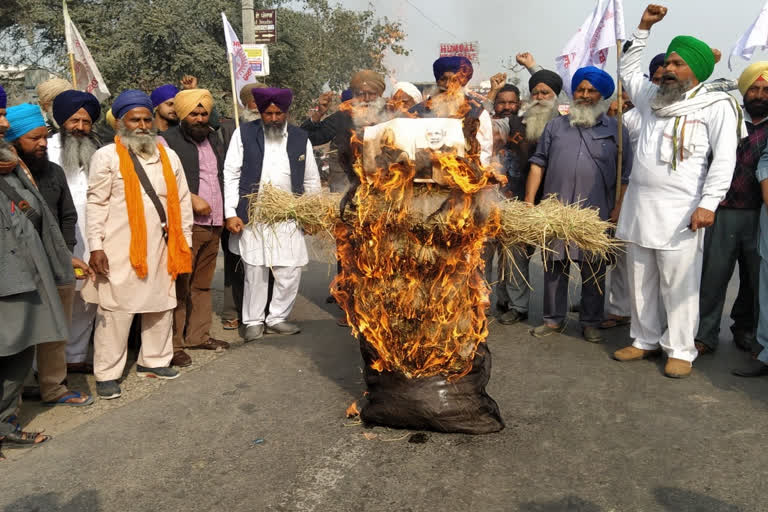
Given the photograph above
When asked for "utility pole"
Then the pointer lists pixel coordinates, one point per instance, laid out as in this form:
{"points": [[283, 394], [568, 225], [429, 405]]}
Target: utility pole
{"points": [[249, 28]]}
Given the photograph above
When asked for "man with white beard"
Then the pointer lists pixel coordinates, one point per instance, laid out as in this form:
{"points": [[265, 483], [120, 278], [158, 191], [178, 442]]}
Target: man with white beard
{"points": [[514, 289], [72, 148], [684, 164], [139, 232], [576, 159]]}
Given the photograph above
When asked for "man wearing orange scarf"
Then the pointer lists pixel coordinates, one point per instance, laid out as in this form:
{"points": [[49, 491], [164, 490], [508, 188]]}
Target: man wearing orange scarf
{"points": [[136, 256]]}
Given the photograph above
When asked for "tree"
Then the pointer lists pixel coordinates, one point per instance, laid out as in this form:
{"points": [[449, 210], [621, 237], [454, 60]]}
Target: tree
{"points": [[145, 43]]}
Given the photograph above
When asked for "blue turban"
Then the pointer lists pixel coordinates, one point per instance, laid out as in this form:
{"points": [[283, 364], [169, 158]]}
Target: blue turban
{"points": [[67, 103], [266, 96], [346, 95], [599, 79], [129, 100], [23, 119], [656, 63], [453, 65], [3, 98], [162, 94]]}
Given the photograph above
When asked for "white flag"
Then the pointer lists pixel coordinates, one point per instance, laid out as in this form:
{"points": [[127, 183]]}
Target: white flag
{"points": [[590, 45], [87, 76], [755, 38], [241, 67]]}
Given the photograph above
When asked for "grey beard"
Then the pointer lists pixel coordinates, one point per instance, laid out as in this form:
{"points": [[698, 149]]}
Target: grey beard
{"points": [[248, 115], [141, 144], [537, 114], [586, 115], [7, 154], [670, 93], [274, 133], [76, 152]]}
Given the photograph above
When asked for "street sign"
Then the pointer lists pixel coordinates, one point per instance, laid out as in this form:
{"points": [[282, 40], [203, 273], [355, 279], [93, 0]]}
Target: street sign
{"points": [[265, 21], [468, 49], [258, 58]]}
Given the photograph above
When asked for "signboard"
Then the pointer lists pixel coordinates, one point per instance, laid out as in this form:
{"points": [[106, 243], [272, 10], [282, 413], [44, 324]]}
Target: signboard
{"points": [[265, 22], [469, 50], [258, 58]]}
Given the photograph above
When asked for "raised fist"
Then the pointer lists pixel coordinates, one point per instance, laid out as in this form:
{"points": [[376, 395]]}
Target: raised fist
{"points": [[652, 15]]}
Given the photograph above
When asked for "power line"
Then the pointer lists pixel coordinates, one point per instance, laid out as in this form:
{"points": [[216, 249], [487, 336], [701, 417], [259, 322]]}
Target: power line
{"points": [[433, 22]]}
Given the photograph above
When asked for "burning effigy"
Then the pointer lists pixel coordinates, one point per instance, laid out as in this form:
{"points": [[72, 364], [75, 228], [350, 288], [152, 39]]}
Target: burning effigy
{"points": [[409, 237], [411, 283]]}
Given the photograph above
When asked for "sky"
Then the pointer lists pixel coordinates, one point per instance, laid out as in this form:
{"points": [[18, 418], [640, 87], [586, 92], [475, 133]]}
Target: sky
{"points": [[505, 28]]}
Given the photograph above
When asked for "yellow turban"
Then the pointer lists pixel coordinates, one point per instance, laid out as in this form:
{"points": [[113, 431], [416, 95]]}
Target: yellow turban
{"points": [[48, 90], [111, 121], [368, 77], [751, 74], [187, 101]]}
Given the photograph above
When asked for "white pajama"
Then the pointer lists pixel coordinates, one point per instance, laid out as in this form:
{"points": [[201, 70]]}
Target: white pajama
{"points": [[617, 300], [111, 342], [664, 286], [83, 316], [284, 293]]}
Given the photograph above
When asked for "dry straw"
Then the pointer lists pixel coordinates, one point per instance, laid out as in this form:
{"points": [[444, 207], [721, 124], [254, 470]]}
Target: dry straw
{"points": [[520, 224]]}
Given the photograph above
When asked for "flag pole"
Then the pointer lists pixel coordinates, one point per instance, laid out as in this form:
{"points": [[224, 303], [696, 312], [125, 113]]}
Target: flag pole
{"points": [[620, 122], [69, 45], [234, 93]]}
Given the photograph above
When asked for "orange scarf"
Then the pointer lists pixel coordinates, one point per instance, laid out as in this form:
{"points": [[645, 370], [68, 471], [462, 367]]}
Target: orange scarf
{"points": [[179, 255]]}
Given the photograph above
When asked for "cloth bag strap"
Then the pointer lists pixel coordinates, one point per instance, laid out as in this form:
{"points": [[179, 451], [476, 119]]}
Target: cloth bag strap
{"points": [[150, 190]]}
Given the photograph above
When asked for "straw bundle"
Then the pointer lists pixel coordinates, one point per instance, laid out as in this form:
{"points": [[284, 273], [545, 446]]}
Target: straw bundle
{"points": [[551, 220], [314, 213], [520, 224]]}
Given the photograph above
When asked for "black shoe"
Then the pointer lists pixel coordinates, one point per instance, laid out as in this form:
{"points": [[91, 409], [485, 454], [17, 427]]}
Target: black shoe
{"points": [[108, 389], [754, 369], [592, 334], [512, 316], [156, 373], [744, 340]]}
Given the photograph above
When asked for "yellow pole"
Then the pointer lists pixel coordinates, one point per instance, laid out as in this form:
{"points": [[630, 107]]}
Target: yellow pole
{"points": [[234, 93], [72, 68], [68, 35], [620, 119]]}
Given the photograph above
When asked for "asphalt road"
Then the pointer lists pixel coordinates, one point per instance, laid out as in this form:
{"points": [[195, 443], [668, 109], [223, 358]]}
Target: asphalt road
{"points": [[262, 428]]}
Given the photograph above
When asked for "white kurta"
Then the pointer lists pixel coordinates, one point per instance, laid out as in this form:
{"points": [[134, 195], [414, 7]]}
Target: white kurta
{"points": [[659, 202], [280, 245], [664, 257], [83, 314]]}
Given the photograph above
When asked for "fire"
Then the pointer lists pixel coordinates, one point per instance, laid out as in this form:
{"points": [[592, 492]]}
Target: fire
{"points": [[411, 255]]}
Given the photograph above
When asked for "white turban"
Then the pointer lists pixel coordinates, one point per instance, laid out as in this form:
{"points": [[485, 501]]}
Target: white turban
{"points": [[409, 89]]}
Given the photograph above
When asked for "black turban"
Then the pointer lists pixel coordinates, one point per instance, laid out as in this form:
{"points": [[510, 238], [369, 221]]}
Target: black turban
{"points": [[68, 102], [546, 77]]}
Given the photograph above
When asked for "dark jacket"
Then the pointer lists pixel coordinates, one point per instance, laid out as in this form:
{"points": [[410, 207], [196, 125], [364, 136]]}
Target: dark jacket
{"points": [[252, 135], [186, 148], [338, 128], [52, 184], [514, 158], [17, 273]]}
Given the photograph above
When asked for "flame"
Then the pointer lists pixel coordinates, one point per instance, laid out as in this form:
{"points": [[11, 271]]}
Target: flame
{"points": [[411, 283], [353, 411]]}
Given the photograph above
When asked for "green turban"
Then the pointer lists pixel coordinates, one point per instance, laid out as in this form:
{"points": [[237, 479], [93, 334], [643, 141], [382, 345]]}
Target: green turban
{"points": [[696, 53]]}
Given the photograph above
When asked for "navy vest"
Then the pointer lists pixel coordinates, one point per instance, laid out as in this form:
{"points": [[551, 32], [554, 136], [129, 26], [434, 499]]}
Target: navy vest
{"points": [[252, 135]]}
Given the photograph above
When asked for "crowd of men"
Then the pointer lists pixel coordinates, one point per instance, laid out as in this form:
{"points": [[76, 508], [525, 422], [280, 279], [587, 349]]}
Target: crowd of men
{"points": [[99, 237]]}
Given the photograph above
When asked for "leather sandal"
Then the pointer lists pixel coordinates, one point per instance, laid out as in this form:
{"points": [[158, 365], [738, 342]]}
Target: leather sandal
{"points": [[24, 438]]}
